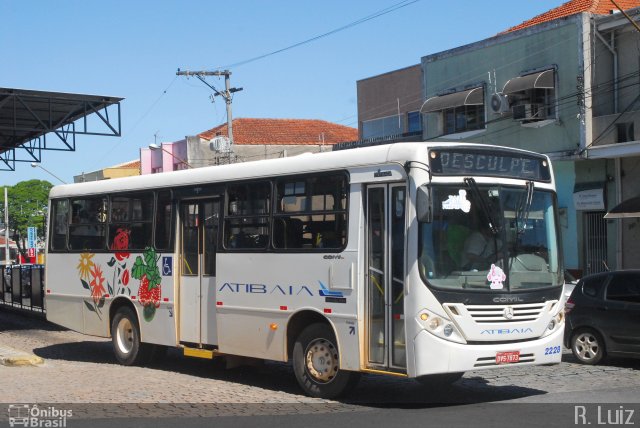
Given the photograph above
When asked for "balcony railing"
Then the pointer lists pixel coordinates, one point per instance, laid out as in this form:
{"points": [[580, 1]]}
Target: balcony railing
{"points": [[387, 139]]}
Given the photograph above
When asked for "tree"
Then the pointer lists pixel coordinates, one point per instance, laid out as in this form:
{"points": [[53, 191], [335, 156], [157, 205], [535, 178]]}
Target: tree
{"points": [[27, 208]]}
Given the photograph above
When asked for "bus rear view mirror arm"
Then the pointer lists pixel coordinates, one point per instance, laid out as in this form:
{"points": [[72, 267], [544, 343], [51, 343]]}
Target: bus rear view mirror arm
{"points": [[424, 204]]}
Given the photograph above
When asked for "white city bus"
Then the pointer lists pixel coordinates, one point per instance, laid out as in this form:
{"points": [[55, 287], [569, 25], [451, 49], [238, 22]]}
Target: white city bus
{"points": [[422, 260]]}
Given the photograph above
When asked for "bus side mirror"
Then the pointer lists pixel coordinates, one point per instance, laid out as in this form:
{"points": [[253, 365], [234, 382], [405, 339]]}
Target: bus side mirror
{"points": [[424, 206]]}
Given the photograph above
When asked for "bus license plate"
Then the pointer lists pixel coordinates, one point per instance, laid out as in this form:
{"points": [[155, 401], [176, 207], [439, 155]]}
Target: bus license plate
{"points": [[507, 357]]}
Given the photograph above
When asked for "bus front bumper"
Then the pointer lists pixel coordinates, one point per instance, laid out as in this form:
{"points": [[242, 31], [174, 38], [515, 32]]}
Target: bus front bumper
{"points": [[435, 355]]}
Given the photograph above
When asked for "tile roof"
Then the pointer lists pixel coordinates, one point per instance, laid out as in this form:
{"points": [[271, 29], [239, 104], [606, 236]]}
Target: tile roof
{"points": [[284, 132], [599, 7], [130, 164]]}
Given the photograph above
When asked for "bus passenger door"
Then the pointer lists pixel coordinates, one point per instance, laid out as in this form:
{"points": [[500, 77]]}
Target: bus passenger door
{"points": [[199, 221], [386, 348]]}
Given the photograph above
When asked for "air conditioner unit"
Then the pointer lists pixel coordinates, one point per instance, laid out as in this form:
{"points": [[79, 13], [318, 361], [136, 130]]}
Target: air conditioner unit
{"points": [[220, 143], [499, 103], [528, 112]]}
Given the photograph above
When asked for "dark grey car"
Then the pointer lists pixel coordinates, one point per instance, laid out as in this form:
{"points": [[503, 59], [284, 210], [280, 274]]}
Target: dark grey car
{"points": [[603, 316]]}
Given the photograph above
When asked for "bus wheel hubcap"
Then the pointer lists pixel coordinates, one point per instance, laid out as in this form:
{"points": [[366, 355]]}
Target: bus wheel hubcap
{"points": [[124, 335], [321, 360]]}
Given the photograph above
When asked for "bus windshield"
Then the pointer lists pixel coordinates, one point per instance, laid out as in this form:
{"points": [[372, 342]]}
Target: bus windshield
{"points": [[490, 237]]}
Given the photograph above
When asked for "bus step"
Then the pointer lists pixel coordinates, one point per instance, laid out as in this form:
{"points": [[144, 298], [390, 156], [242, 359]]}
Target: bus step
{"points": [[199, 353]]}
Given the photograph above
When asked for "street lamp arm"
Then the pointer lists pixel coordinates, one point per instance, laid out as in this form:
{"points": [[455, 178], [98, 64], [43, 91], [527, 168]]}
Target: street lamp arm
{"points": [[37, 165]]}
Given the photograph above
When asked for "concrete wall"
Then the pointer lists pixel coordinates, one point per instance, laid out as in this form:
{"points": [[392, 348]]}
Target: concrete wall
{"points": [[630, 227], [199, 152], [565, 175]]}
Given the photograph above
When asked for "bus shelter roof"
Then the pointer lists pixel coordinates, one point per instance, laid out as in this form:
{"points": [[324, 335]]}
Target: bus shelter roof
{"points": [[28, 117]]}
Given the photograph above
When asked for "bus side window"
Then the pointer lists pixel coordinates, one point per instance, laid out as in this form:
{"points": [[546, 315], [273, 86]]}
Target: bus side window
{"points": [[246, 224], [60, 219]]}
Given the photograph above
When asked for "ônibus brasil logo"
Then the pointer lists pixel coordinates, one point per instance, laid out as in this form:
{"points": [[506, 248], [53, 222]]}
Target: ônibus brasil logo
{"points": [[25, 415]]}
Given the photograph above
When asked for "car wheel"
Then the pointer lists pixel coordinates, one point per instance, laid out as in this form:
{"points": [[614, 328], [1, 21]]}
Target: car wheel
{"points": [[316, 364], [587, 346], [125, 336]]}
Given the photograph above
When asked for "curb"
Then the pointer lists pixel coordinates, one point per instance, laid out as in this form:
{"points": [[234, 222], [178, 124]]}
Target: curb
{"points": [[12, 357]]}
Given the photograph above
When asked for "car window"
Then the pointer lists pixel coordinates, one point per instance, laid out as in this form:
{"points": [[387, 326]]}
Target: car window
{"points": [[591, 286], [624, 288]]}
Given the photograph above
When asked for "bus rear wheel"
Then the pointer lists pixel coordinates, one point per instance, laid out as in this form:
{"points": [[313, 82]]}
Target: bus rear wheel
{"points": [[316, 364], [125, 336]]}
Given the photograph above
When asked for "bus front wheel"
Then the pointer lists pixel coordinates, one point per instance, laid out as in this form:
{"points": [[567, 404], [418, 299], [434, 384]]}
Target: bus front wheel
{"points": [[316, 363], [125, 336]]}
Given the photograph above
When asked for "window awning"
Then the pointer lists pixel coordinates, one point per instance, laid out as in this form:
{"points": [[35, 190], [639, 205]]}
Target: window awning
{"points": [[471, 97], [543, 80]]}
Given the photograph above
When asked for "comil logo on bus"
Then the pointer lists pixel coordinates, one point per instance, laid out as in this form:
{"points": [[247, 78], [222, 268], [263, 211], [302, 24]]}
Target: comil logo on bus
{"points": [[25, 415]]}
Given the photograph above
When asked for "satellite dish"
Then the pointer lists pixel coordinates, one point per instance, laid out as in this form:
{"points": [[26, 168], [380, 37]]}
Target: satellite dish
{"points": [[220, 144], [499, 103]]}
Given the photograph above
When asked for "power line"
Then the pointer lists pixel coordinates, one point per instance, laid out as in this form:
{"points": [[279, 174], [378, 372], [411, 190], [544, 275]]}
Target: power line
{"points": [[374, 15]]}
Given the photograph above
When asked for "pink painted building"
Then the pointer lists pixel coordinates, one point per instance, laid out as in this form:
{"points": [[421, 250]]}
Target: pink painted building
{"points": [[169, 157]]}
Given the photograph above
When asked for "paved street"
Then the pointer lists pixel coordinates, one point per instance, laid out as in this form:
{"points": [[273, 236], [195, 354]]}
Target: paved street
{"points": [[81, 369]]}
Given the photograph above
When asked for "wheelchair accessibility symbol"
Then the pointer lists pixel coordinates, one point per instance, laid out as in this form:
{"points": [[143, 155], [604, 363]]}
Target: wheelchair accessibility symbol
{"points": [[167, 266]]}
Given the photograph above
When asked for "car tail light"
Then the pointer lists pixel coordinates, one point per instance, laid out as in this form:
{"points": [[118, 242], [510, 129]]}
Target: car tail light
{"points": [[568, 306]]}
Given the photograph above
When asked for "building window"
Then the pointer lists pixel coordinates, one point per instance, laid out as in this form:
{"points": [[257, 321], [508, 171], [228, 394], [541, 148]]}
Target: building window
{"points": [[463, 118], [460, 111], [383, 127], [156, 170], [532, 96], [414, 121], [625, 132]]}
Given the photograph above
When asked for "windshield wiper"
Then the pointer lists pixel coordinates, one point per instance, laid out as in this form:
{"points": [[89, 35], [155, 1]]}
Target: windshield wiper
{"points": [[524, 207], [484, 205]]}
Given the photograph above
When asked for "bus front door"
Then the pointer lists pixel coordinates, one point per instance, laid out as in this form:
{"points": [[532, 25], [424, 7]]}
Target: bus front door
{"points": [[385, 276], [199, 222]]}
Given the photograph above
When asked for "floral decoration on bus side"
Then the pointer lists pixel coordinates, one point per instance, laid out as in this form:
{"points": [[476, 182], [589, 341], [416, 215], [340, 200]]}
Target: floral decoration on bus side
{"points": [[149, 293], [145, 269], [121, 243], [92, 279]]}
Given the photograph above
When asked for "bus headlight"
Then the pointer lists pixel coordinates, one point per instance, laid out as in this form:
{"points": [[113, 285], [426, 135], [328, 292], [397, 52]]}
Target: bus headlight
{"points": [[555, 323], [439, 326], [434, 323], [448, 330]]}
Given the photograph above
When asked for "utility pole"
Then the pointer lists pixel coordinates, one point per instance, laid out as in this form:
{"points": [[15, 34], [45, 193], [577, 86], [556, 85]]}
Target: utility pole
{"points": [[227, 94]]}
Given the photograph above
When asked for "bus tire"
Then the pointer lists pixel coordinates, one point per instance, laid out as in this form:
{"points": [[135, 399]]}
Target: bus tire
{"points": [[125, 336], [316, 364]]}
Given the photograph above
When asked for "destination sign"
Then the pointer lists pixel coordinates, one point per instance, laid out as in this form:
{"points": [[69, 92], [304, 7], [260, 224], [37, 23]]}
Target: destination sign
{"points": [[492, 163]]}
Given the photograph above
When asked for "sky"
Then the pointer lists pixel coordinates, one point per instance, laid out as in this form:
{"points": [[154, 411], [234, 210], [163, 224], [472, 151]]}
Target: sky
{"points": [[133, 48]]}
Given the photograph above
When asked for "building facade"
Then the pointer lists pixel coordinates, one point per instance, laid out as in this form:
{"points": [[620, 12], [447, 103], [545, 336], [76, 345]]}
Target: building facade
{"points": [[126, 169], [254, 139], [389, 105], [566, 84]]}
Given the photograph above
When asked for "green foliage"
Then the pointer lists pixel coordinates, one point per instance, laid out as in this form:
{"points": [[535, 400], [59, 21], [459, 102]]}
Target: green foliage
{"points": [[27, 206]]}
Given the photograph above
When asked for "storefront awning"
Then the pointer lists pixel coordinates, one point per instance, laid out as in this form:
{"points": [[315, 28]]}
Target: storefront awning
{"points": [[626, 209], [542, 80], [471, 97]]}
